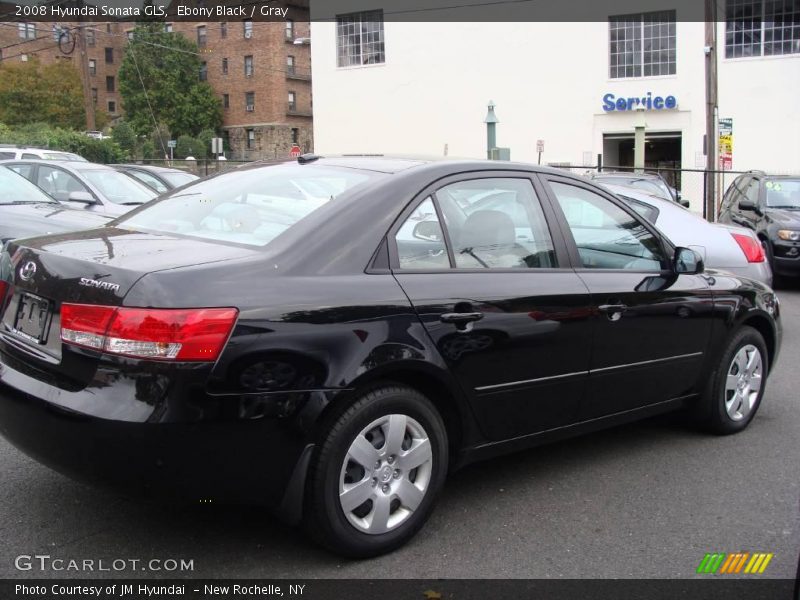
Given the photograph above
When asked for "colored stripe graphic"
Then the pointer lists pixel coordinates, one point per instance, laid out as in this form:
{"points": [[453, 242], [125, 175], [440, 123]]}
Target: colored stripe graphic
{"points": [[720, 562]]}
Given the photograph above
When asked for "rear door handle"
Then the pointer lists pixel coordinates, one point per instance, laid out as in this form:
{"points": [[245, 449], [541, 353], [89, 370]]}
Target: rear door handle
{"points": [[613, 311], [461, 319]]}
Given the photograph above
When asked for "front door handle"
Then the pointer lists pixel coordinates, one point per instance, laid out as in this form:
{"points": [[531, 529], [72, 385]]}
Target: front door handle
{"points": [[613, 311], [461, 319]]}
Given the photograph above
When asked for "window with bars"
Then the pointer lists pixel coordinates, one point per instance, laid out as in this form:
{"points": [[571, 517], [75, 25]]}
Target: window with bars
{"points": [[289, 29], [27, 30], [248, 28], [292, 102], [110, 84], [761, 28], [226, 101], [223, 30], [248, 66], [109, 55], [112, 106], [224, 66], [202, 36], [359, 39], [90, 38], [203, 71], [642, 45], [290, 64], [92, 66], [250, 101]]}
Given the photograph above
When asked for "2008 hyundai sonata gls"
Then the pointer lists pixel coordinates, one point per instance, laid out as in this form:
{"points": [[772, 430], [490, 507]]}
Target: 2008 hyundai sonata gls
{"points": [[329, 338]]}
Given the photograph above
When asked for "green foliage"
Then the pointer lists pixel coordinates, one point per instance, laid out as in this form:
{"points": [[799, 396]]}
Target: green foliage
{"points": [[189, 146], [125, 137], [41, 135], [31, 92], [169, 72]]}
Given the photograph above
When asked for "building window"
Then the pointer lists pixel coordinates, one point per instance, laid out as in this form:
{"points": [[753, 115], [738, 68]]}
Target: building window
{"points": [[110, 83], [292, 102], [90, 38], [642, 44], [56, 33], [226, 101], [248, 28], [94, 96], [767, 28], [27, 30], [295, 135], [250, 101], [108, 27], [109, 55], [92, 66], [248, 66], [129, 34], [223, 30], [359, 39], [112, 106], [289, 29], [167, 27], [224, 66], [203, 71], [251, 138], [201, 36], [290, 65]]}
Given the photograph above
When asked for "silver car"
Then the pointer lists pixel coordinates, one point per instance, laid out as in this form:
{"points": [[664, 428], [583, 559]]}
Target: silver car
{"points": [[724, 247]]}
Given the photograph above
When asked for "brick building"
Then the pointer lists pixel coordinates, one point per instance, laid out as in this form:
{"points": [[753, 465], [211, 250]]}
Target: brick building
{"points": [[105, 44], [261, 71]]}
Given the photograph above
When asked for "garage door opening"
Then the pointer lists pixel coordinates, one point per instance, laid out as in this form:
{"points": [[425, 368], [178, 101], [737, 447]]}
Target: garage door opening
{"points": [[662, 151]]}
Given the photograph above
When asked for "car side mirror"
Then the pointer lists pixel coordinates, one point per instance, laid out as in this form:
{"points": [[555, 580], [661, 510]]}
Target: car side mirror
{"points": [[83, 197], [687, 262], [683, 203], [428, 231], [748, 205]]}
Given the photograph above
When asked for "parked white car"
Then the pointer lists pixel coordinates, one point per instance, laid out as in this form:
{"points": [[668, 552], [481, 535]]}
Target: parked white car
{"points": [[17, 152], [724, 247]]}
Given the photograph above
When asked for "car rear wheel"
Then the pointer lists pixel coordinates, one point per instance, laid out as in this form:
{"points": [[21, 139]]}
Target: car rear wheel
{"points": [[378, 472], [738, 385]]}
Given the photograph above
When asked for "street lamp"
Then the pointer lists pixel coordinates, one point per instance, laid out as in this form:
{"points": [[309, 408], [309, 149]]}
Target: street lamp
{"points": [[491, 121]]}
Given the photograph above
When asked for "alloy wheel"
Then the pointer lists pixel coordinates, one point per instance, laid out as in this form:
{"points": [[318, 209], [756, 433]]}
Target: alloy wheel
{"points": [[743, 382]]}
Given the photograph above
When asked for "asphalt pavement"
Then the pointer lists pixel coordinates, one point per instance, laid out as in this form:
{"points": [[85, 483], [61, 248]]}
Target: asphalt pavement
{"points": [[646, 500]]}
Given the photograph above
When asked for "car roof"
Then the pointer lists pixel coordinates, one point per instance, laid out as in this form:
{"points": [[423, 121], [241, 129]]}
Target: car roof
{"points": [[154, 168], [69, 164]]}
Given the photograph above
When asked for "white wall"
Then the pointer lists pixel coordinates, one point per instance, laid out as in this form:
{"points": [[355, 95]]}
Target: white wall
{"points": [[547, 80]]}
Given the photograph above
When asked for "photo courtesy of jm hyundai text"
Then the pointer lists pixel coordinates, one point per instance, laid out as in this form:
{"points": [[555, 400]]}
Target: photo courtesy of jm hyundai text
{"points": [[330, 337]]}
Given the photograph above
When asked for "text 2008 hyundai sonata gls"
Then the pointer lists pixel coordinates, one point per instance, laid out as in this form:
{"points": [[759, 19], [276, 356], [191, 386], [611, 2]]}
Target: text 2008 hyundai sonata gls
{"points": [[329, 338]]}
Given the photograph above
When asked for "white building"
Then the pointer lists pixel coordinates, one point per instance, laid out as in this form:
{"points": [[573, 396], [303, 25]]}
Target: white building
{"points": [[382, 86]]}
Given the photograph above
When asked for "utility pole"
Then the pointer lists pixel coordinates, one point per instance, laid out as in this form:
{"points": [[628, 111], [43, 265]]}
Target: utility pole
{"points": [[710, 50], [88, 101]]}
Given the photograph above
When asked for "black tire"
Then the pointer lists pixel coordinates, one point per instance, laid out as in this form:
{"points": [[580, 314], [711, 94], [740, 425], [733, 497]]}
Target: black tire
{"points": [[325, 518], [712, 413]]}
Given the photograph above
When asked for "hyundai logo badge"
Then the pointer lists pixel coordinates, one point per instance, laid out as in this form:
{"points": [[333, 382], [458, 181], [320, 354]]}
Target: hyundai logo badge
{"points": [[27, 271]]}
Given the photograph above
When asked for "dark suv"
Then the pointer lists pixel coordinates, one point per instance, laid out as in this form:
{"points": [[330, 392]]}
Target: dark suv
{"points": [[770, 206]]}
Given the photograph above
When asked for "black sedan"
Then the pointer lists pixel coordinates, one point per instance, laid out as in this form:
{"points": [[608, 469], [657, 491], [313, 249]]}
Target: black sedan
{"points": [[161, 179], [26, 211], [334, 356]]}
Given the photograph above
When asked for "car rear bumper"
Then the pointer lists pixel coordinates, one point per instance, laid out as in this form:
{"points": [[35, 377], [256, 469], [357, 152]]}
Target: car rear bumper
{"points": [[215, 457], [759, 271]]}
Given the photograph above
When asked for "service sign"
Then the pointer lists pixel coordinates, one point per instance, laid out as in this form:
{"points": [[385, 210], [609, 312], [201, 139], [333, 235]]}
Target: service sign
{"points": [[613, 103]]}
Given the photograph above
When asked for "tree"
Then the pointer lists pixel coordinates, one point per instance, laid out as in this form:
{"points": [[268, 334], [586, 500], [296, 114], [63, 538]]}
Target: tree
{"points": [[124, 135], [159, 82], [34, 93]]}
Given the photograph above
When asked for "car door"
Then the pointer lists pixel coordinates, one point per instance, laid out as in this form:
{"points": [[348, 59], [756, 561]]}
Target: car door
{"points": [[650, 326], [492, 284], [60, 183]]}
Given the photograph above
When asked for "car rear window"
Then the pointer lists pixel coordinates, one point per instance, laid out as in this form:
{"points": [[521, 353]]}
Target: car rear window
{"points": [[783, 193], [648, 212], [249, 207], [178, 179]]}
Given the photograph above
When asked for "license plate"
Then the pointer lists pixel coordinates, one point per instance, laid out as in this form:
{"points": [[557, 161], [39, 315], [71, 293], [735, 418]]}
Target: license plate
{"points": [[33, 318]]}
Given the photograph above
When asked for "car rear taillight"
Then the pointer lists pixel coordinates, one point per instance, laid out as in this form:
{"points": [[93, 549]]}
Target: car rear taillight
{"points": [[3, 290], [181, 334], [752, 248]]}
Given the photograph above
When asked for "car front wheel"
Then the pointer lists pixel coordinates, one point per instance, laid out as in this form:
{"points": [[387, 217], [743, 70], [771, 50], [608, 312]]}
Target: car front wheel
{"points": [[739, 383], [378, 473]]}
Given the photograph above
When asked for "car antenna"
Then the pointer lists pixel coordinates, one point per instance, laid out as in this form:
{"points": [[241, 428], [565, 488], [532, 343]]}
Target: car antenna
{"points": [[304, 159]]}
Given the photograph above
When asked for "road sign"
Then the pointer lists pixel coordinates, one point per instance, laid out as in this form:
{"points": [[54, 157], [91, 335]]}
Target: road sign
{"points": [[726, 144], [540, 145], [172, 144], [295, 151]]}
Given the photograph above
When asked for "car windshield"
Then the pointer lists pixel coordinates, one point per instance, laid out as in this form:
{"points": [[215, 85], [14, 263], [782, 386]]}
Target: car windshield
{"points": [[783, 193], [15, 189], [247, 207], [178, 179], [118, 188]]}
